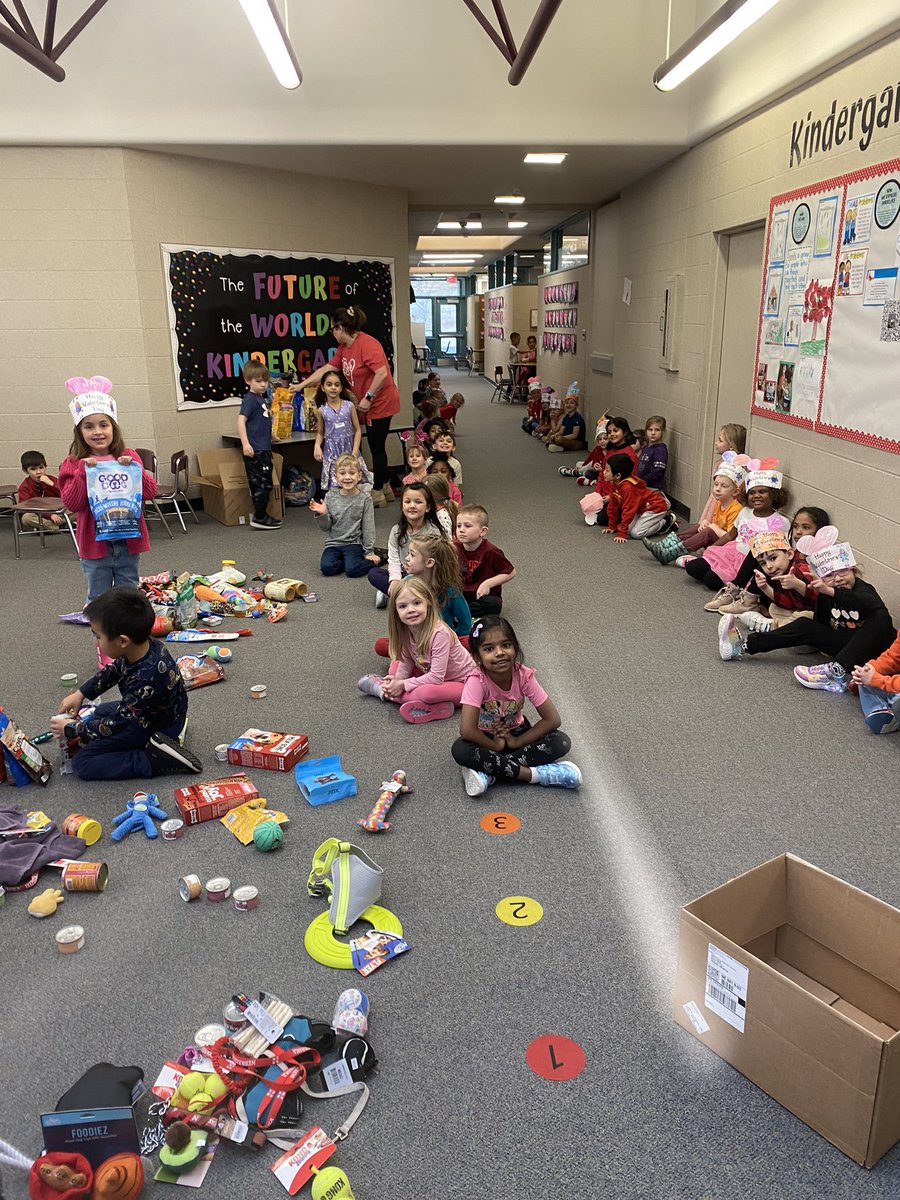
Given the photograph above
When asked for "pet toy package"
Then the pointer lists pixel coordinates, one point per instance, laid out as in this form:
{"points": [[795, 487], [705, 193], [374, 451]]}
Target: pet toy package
{"points": [[115, 494]]}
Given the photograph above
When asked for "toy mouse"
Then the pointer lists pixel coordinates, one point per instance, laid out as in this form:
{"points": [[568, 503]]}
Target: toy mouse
{"points": [[46, 904]]}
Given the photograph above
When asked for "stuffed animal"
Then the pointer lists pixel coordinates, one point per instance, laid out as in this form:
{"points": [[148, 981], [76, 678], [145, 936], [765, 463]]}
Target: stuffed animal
{"points": [[46, 903], [60, 1176], [181, 1150], [119, 1178], [138, 814]]}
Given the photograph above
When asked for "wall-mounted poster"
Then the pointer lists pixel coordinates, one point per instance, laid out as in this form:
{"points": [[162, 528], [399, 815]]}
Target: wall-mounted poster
{"points": [[227, 306]]}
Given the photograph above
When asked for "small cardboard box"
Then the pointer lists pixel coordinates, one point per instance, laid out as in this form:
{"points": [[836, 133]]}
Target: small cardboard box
{"points": [[793, 977], [223, 485], [269, 750], [208, 801], [322, 780]]}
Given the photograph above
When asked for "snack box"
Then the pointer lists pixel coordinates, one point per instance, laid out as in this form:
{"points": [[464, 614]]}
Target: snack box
{"points": [[208, 801], [269, 750]]}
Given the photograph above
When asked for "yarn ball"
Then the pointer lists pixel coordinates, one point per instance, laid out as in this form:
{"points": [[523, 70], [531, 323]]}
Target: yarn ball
{"points": [[267, 835], [119, 1178]]}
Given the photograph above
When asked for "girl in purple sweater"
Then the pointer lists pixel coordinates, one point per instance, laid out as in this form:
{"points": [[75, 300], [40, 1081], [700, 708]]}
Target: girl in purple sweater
{"points": [[653, 458]]}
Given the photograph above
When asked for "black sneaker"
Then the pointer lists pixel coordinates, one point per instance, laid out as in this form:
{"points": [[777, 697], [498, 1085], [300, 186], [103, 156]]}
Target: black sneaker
{"points": [[265, 522], [168, 758]]}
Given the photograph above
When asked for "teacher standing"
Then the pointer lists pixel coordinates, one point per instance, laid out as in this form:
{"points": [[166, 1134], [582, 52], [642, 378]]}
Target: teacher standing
{"points": [[362, 361]]}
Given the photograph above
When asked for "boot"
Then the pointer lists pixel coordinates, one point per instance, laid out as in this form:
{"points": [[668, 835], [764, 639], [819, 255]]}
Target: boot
{"points": [[665, 549], [744, 602], [388, 493]]}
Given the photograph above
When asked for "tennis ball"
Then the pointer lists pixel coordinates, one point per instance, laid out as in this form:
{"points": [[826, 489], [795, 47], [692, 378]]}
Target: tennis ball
{"points": [[193, 1082], [267, 835], [330, 1183], [215, 1088], [200, 1102]]}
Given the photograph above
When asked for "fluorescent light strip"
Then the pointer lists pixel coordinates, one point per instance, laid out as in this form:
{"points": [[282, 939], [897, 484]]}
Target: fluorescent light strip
{"points": [[271, 35], [547, 160], [451, 257], [509, 199], [516, 224], [449, 225], [726, 23]]}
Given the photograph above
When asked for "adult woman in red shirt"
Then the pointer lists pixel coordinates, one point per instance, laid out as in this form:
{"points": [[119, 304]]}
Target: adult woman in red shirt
{"points": [[364, 365]]}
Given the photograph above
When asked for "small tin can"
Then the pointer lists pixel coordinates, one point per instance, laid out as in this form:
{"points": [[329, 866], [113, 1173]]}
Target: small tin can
{"points": [[218, 889], [189, 888], [212, 622], [68, 680], [246, 898], [82, 876], [310, 597], [78, 825], [234, 1018], [70, 939], [207, 1034], [222, 752], [172, 829], [258, 691]]}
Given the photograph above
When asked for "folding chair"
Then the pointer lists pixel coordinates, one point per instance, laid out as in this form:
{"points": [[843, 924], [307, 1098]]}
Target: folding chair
{"points": [[181, 481], [148, 458], [40, 506], [503, 385]]}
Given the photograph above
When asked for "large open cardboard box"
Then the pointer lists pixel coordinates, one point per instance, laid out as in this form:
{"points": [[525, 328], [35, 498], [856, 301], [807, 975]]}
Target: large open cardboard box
{"points": [[793, 977], [223, 485]]}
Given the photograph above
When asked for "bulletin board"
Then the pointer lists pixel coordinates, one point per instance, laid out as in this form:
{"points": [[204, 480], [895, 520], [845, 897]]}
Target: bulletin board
{"points": [[828, 344]]}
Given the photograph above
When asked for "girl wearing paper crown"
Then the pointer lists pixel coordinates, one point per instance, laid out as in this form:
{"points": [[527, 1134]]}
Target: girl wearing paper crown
{"points": [[720, 563], [850, 621], [728, 483], [780, 591], [108, 503]]}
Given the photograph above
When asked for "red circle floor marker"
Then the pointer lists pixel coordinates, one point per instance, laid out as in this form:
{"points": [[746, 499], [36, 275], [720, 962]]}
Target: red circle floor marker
{"points": [[555, 1057]]}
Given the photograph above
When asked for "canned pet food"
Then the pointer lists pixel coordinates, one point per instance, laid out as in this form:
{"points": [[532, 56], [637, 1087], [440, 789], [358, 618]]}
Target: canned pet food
{"points": [[234, 1017], [207, 1034], [85, 876], [189, 888], [222, 752], [246, 898], [172, 830], [310, 597], [258, 691], [78, 825], [70, 939], [218, 889], [68, 680]]}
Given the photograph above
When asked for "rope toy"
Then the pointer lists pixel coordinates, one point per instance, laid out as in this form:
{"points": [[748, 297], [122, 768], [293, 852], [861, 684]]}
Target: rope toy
{"points": [[376, 821], [138, 814]]}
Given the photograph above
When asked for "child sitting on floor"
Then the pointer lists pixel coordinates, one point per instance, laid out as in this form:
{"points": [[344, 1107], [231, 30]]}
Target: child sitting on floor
{"points": [[653, 458], [587, 469], [449, 412], [484, 566], [619, 440], [417, 462], [570, 432], [633, 509], [782, 581], [417, 513], [439, 464], [38, 485], [445, 443], [532, 417], [435, 561], [728, 483], [428, 663], [879, 689], [439, 486], [134, 737], [347, 518], [496, 741]]}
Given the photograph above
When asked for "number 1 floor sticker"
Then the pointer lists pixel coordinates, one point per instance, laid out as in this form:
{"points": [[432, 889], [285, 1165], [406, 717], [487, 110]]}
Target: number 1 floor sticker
{"points": [[519, 910], [555, 1057]]}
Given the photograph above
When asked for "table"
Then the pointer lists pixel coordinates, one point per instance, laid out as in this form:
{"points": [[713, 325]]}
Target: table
{"points": [[304, 441]]}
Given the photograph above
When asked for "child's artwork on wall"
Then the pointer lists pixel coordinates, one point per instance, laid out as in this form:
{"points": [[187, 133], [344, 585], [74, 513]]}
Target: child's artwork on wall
{"points": [[495, 311]]}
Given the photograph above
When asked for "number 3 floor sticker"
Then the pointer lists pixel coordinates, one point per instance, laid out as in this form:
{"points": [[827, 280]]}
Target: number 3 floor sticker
{"points": [[519, 910], [555, 1057], [500, 822]]}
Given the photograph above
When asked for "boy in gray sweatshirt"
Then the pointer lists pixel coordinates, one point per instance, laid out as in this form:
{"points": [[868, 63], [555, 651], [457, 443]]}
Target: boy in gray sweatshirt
{"points": [[348, 519]]}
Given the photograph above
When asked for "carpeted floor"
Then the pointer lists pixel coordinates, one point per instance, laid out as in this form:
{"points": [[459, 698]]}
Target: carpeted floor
{"points": [[694, 771]]}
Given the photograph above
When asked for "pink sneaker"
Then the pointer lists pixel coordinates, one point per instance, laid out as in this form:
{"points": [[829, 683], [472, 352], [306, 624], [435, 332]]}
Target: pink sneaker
{"points": [[417, 712]]}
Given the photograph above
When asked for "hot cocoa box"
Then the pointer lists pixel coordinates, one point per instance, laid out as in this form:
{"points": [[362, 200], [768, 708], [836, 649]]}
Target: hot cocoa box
{"points": [[208, 801], [271, 751]]}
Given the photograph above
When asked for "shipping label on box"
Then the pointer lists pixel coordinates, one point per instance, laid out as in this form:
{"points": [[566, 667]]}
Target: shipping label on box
{"points": [[208, 801], [323, 780], [269, 750]]}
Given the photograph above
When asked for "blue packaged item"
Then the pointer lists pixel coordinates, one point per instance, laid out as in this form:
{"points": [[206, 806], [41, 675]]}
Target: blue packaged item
{"points": [[115, 494], [323, 780]]}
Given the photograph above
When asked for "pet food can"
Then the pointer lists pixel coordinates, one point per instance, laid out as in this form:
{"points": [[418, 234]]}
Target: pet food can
{"points": [[222, 752], [85, 876], [78, 825], [233, 1017], [246, 898], [172, 830], [218, 889], [310, 597], [70, 939], [258, 691], [206, 1035], [68, 680], [189, 888]]}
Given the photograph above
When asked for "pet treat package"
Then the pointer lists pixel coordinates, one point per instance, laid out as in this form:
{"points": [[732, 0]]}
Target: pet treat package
{"points": [[115, 494]]}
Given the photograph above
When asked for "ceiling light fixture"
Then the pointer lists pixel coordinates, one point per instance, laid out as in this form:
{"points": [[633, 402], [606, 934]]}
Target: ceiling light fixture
{"points": [[548, 160], [513, 199], [449, 225], [472, 221], [271, 34], [514, 222], [726, 23]]}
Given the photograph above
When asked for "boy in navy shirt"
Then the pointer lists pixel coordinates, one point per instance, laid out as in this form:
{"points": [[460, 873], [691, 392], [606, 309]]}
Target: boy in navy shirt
{"points": [[254, 427], [135, 737]]}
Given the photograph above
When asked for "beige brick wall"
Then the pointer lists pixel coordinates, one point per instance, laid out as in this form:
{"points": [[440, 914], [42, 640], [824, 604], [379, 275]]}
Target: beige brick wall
{"points": [[559, 370]]}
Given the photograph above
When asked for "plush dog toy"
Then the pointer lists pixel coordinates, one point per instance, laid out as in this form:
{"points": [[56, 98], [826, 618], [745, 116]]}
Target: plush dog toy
{"points": [[60, 1176], [46, 903]]}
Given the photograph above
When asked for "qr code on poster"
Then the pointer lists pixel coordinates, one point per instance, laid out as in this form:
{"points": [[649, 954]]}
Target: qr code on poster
{"points": [[890, 321]]}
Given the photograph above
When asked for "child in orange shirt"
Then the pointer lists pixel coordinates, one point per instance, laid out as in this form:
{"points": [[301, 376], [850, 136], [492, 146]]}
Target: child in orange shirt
{"points": [[879, 689], [728, 482]]}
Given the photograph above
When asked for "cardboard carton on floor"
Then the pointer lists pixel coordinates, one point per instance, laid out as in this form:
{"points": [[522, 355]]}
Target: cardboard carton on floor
{"points": [[269, 750], [793, 977], [223, 485]]}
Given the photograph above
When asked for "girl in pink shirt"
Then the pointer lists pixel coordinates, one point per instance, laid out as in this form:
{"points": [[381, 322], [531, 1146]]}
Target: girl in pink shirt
{"points": [[496, 740], [428, 664]]}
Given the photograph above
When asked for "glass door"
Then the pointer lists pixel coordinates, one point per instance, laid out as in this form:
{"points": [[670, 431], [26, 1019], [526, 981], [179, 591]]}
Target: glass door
{"points": [[448, 338]]}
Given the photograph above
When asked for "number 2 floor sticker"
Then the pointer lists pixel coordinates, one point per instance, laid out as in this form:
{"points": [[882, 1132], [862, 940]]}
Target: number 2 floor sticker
{"points": [[500, 822], [519, 910], [555, 1057]]}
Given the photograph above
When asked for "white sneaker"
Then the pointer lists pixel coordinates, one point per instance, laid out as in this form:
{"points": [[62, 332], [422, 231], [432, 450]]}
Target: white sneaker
{"points": [[753, 622], [590, 518], [381, 600], [476, 782]]}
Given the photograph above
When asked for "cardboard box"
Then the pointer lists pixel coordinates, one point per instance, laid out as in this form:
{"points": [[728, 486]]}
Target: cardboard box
{"points": [[793, 977], [99, 1133], [208, 801], [223, 485], [269, 750], [322, 780]]}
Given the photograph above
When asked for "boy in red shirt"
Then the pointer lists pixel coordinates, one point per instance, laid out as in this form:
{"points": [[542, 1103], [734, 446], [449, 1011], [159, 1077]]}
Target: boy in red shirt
{"points": [[36, 484], [484, 567], [633, 509]]}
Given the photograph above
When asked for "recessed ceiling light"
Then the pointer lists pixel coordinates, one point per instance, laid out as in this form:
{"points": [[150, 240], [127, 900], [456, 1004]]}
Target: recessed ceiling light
{"points": [[449, 225], [451, 258], [550, 160], [509, 199], [512, 223]]}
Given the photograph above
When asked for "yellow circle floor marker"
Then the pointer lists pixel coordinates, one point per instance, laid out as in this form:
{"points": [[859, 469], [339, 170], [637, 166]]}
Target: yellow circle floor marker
{"points": [[519, 910]]}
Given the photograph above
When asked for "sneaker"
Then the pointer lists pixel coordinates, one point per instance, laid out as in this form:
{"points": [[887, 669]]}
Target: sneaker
{"points": [[476, 782], [168, 758], [381, 600], [371, 685], [590, 518], [744, 602], [683, 559], [558, 774], [882, 720], [732, 644], [671, 524], [75, 618], [555, 449], [417, 712], [753, 622], [584, 481], [570, 472], [265, 522], [724, 595], [823, 677]]}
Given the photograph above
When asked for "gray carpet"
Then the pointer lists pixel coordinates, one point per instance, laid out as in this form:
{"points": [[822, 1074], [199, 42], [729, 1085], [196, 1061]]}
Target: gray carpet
{"points": [[694, 771]]}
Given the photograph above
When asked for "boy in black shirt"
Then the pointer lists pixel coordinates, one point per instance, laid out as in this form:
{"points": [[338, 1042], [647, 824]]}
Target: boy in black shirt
{"points": [[254, 427]]}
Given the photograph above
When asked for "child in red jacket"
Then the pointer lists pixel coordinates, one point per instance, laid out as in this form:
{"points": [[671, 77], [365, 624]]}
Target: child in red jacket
{"points": [[36, 485], [633, 509], [619, 440]]}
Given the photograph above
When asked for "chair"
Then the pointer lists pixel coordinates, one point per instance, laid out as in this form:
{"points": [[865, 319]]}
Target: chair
{"points": [[8, 491], [475, 360], [148, 458], [462, 361], [420, 359], [181, 481], [503, 385], [40, 506]]}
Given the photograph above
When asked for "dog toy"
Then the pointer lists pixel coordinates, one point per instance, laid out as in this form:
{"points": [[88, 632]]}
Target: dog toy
{"points": [[330, 1183], [182, 1149], [222, 654], [268, 835], [376, 821], [119, 1178], [351, 1012], [199, 1092], [60, 1174], [46, 904], [138, 814]]}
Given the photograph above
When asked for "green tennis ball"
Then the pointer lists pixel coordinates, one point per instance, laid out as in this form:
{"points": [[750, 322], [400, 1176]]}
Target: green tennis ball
{"points": [[330, 1183], [192, 1083], [215, 1087], [267, 835]]}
